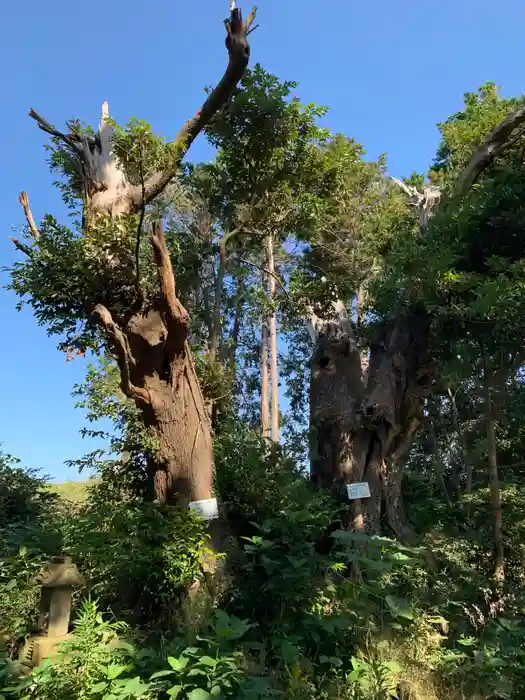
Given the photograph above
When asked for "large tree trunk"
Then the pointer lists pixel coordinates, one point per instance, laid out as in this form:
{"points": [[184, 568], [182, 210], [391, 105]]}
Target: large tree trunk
{"points": [[362, 430], [177, 420], [157, 371]]}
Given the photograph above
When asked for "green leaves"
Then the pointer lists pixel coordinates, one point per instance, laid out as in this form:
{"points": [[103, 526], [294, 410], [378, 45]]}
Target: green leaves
{"points": [[399, 607]]}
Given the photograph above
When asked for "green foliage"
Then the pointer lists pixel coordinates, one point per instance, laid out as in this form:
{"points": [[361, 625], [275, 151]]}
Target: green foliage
{"points": [[99, 661], [138, 557], [30, 523], [22, 495], [313, 611], [123, 464]]}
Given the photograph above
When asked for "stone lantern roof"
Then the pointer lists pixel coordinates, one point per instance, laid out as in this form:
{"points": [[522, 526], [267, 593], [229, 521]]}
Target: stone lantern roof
{"points": [[60, 572]]}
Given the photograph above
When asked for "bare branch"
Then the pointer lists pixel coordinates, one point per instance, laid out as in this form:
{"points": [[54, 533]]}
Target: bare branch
{"points": [[24, 201], [239, 54], [268, 272], [21, 247], [175, 313], [123, 354], [423, 202], [68, 139], [497, 141]]}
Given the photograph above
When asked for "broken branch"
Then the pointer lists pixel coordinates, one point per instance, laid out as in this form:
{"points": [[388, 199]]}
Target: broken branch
{"points": [[21, 246], [123, 354], [497, 141], [239, 54], [176, 314], [24, 201]]}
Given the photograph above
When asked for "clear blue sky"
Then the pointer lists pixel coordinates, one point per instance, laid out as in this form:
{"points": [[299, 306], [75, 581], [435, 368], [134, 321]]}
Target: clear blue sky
{"points": [[388, 70]]}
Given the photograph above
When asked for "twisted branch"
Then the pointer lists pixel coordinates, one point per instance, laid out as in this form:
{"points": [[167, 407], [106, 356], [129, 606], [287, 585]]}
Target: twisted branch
{"points": [[176, 316], [123, 354], [496, 142]]}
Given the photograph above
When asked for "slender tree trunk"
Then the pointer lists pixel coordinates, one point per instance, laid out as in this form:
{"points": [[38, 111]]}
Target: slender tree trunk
{"points": [[438, 467], [274, 370], [265, 413], [494, 483], [236, 329]]}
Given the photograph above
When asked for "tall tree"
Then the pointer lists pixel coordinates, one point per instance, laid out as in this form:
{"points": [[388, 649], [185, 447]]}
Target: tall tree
{"points": [[104, 286], [366, 430], [266, 181]]}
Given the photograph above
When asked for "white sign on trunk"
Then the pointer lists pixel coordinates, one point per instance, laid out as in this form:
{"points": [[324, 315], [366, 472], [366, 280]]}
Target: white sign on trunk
{"points": [[207, 508], [361, 490]]}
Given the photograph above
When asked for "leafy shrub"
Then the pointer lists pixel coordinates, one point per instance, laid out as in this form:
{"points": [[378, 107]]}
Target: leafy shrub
{"points": [[137, 557], [30, 532], [23, 497], [98, 663], [257, 481]]}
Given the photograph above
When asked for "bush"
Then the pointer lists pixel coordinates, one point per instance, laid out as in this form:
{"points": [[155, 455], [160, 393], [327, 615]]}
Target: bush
{"points": [[30, 532], [136, 556], [98, 662], [23, 497]]}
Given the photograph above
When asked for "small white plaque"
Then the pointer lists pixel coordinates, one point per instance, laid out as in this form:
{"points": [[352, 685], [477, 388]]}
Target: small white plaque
{"points": [[208, 508], [361, 490]]}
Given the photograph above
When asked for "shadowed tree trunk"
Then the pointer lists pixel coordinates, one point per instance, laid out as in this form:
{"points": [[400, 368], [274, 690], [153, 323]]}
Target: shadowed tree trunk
{"points": [[263, 359], [274, 367], [363, 430]]}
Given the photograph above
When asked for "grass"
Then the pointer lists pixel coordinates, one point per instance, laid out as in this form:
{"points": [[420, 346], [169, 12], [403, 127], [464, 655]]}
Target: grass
{"points": [[73, 491]]}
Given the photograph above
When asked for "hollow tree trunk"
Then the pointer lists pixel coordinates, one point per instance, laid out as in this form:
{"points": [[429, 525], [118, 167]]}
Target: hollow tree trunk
{"points": [[362, 431]]}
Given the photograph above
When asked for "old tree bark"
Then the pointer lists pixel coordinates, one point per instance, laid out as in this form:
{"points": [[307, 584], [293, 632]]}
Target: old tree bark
{"points": [[151, 344], [364, 412]]}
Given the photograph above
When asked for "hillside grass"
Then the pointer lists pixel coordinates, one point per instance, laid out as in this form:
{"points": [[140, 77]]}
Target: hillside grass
{"points": [[73, 491]]}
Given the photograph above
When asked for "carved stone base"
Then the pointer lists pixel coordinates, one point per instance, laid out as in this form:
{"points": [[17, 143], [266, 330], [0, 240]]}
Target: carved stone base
{"points": [[39, 647]]}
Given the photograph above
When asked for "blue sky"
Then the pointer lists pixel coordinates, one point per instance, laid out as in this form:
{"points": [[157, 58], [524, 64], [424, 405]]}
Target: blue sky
{"points": [[389, 71]]}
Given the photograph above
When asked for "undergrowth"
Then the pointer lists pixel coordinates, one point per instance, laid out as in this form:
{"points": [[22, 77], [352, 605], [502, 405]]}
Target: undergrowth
{"points": [[291, 621]]}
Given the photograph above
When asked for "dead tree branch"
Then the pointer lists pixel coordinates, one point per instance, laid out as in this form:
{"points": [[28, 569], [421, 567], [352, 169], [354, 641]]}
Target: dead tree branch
{"points": [[24, 201], [122, 352], [239, 53], [21, 247], [493, 146], [105, 186], [176, 316]]}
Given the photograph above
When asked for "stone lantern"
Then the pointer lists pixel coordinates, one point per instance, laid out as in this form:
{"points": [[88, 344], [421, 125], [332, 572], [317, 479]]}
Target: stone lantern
{"points": [[57, 579]]}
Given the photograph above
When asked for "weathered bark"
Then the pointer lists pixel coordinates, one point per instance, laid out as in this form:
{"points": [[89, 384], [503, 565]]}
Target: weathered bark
{"points": [[364, 432], [157, 371], [274, 369]]}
